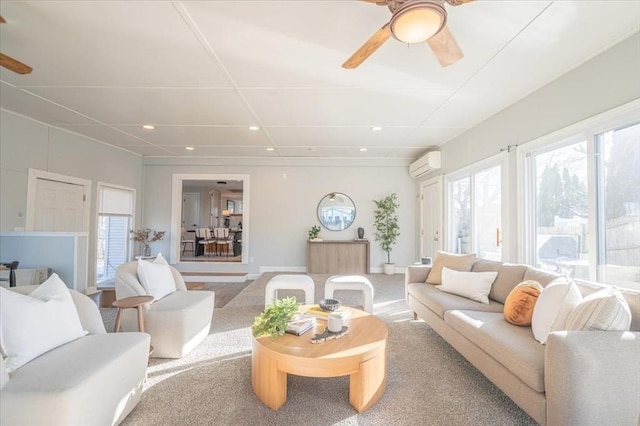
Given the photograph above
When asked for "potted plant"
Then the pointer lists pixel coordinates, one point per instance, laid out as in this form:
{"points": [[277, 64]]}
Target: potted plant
{"points": [[313, 233], [273, 320], [385, 222], [145, 237]]}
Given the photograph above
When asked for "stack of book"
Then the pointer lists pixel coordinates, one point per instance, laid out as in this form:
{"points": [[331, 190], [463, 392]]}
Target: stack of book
{"points": [[300, 324], [342, 312]]}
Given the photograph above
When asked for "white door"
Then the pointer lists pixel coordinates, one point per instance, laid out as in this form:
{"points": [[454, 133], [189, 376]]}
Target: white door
{"points": [[430, 217], [215, 208], [59, 206], [191, 210]]}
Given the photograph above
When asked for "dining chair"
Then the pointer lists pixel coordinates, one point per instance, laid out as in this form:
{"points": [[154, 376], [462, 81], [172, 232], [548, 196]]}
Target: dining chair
{"points": [[184, 241], [222, 240], [204, 237]]}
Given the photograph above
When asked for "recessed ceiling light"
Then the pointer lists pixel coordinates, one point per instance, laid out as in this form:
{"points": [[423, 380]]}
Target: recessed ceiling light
{"points": [[189, 148], [254, 128], [363, 149], [148, 126], [376, 128], [271, 149]]}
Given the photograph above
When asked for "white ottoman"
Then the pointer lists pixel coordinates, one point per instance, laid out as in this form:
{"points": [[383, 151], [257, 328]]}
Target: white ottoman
{"points": [[350, 282], [289, 282]]}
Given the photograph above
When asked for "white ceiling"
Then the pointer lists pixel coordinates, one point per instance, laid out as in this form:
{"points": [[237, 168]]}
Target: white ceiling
{"points": [[203, 72]]}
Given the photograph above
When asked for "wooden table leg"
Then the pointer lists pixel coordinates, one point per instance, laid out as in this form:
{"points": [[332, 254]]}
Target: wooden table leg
{"points": [[141, 319], [366, 386], [269, 384], [116, 328]]}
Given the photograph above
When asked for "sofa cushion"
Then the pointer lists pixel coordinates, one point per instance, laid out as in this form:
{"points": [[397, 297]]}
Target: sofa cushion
{"points": [[38, 322], [518, 308], [514, 347], [543, 277], [605, 310], [472, 285], [74, 383], [553, 307], [440, 302], [509, 275], [457, 262], [631, 296], [156, 277]]}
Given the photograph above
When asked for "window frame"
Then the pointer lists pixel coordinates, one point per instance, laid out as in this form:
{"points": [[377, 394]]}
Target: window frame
{"points": [[502, 160], [585, 130], [132, 216]]}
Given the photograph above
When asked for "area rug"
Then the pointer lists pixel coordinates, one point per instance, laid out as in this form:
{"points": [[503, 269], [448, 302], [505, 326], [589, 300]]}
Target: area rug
{"points": [[428, 382], [225, 292]]}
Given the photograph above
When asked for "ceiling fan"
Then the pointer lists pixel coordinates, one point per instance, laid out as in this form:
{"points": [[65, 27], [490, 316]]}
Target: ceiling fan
{"points": [[414, 21], [13, 64]]}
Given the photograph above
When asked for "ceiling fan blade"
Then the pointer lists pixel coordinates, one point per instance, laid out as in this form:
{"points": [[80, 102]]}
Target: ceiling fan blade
{"points": [[368, 47], [445, 47], [2, 21], [14, 65]]}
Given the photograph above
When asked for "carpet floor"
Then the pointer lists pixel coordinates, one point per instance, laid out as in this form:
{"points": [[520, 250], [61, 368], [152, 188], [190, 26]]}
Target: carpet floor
{"points": [[428, 382]]}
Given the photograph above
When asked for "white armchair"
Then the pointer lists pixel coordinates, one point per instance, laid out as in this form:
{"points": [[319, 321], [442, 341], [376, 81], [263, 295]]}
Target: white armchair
{"points": [[177, 322]]}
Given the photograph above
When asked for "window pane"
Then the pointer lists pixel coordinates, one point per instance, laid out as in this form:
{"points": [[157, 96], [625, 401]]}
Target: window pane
{"points": [[113, 245], [619, 256], [562, 210], [460, 216], [487, 212]]}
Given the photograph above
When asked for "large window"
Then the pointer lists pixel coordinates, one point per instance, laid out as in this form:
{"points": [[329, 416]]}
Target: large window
{"points": [[115, 218], [582, 208], [475, 210], [561, 209], [618, 205]]}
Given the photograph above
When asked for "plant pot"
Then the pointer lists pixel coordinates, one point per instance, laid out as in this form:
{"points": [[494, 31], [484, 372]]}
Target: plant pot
{"points": [[389, 268]]}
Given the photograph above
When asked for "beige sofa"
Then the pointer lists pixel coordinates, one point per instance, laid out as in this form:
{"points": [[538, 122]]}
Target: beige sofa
{"points": [[577, 378], [93, 380]]}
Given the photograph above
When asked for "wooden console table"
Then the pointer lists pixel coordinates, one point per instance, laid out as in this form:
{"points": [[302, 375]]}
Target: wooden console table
{"points": [[338, 257]]}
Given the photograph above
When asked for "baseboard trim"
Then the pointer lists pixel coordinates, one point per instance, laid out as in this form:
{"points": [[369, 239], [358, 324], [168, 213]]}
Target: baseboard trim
{"points": [[264, 269]]}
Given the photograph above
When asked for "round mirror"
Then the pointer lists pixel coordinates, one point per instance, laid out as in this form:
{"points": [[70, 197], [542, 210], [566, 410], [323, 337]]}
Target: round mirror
{"points": [[336, 211]]}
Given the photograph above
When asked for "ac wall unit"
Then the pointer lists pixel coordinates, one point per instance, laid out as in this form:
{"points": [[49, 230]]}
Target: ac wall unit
{"points": [[423, 165]]}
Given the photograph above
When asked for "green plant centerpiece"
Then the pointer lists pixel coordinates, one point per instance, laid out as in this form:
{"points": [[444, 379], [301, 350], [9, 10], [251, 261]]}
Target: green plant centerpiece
{"points": [[387, 230], [273, 320], [314, 232]]}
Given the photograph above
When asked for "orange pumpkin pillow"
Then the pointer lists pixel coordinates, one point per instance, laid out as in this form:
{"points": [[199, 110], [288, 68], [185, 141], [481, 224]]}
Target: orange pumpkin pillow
{"points": [[518, 307]]}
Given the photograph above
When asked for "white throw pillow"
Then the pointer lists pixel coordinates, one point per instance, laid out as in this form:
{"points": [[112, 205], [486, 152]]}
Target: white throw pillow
{"points": [[553, 307], [38, 322], [156, 277], [472, 285], [605, 310]]}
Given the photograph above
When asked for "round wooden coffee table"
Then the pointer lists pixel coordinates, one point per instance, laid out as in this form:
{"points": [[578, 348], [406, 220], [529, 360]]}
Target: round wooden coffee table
{"points": [[361, 354]]}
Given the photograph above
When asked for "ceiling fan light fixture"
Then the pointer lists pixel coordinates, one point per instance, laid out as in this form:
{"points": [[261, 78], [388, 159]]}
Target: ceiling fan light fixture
{"points": [[418, 21]]}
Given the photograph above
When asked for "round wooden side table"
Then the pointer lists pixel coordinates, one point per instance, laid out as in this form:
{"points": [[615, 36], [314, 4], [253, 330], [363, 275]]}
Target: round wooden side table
{"points": [[137, 302]]}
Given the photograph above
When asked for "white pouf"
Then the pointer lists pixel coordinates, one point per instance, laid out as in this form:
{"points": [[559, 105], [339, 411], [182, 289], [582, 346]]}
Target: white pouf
{"points": [[351, 282], [289, 282]]}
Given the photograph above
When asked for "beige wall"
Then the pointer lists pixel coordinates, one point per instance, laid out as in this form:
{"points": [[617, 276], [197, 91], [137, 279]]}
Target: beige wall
{"points": [[607, 81], [26, 144], [284, 196]]}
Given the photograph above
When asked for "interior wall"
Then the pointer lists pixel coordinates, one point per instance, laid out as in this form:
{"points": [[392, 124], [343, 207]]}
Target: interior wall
{"points": [[284, 199], [26, 144], [606, 81]]}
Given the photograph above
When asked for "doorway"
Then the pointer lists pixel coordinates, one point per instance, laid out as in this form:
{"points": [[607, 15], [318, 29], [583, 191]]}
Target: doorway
{"points": [[57, 203], [430, 217], [213, 191], [190, 211]]}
